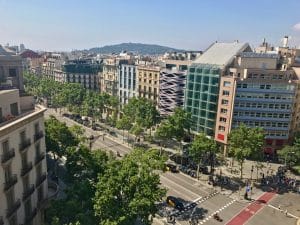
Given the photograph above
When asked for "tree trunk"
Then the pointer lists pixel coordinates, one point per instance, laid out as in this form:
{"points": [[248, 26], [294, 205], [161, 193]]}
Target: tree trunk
{"points": [[241, 169], [198, 168]]}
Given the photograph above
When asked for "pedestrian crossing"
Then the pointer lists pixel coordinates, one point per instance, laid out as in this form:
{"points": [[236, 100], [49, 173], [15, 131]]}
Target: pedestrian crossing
{"points": [[218, 211], [193, 204]]}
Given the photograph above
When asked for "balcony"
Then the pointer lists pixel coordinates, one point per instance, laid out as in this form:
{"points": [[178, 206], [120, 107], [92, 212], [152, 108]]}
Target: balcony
{"points": [[38, 135], [7, 155], [11, 181], [28, 191], [13, 208], [41, 179], [39, 158], [26, 169], [29, 218], [24, 144]]}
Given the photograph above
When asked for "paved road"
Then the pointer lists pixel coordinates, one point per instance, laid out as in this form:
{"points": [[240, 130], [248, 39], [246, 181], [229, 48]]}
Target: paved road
{"points": [[208, 200], [108, 143]]}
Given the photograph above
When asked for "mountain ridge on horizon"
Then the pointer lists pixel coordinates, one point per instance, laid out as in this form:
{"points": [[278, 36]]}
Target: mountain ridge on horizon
{"points": [[138, 48]]}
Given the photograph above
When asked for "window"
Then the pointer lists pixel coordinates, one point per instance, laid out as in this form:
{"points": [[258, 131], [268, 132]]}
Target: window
{"points": [[14, 109], [5, 146], [222, 119], [245, 85], [1, 115], [224, 102], [226, 93], [221, 128], [224, 111], [12, 72], [268, 86], [226, 83]]}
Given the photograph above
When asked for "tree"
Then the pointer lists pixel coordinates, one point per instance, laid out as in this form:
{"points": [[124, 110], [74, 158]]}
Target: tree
{"points": [[181, 121], [202, 147], [136, 130], [129, 189], [176, 125], [83, 167], [58, 137], [142, 112], [124, 124], [290, 155], [78, 131], [165, 131], [245, 142]]}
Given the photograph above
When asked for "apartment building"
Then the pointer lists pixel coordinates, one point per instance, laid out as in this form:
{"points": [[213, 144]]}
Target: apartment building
{"points": [[148, 78], [128, 82], [23, 164], [11, 69], [202, 85], [23, 170], [109, 77], [82, 71], [259, 92]]}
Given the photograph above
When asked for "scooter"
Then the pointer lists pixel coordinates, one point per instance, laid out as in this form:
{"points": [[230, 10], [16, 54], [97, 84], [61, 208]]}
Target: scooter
{"points": [[217, 217]]}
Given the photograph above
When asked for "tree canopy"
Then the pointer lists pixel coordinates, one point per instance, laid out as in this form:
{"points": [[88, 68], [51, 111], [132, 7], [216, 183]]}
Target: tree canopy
{"points": [[129, 189], [246, 142]]}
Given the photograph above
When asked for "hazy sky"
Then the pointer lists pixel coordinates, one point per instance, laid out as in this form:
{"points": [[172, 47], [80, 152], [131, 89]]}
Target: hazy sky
{"points": [[186, 24]]}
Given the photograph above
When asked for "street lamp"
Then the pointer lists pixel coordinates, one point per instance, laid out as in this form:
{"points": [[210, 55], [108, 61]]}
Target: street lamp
{"points": [[251, 172]]}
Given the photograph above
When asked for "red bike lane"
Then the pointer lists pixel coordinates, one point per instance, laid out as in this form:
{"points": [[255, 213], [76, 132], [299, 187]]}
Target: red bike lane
{"points": [[243, 216]]}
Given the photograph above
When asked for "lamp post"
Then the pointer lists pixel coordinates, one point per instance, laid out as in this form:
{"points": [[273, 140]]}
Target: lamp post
{"points": [[251, 171]]}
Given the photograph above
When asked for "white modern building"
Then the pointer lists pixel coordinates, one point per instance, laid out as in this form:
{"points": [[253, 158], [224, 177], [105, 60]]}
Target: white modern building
{"points": [[128, 83]]}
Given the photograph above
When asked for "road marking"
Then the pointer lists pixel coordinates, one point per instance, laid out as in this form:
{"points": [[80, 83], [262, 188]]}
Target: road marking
{"points": [[218, 211], [289, 214], [251, 209], [182, 187]]}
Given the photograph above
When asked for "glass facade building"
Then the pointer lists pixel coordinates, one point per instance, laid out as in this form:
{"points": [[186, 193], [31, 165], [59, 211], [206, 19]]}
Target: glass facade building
{"points": [[201, 96]]}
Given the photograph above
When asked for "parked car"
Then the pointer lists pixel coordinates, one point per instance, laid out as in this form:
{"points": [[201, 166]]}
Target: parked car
{"points": [[175, 202], [66, 114], [172, 168]]}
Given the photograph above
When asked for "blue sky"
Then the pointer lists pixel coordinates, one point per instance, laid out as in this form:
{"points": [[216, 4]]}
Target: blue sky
{"points": [[186, 24]]}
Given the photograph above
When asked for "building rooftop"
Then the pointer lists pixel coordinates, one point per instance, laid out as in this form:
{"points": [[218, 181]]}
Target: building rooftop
{"points": [[222, 53], [6, 52], [258, 55]]}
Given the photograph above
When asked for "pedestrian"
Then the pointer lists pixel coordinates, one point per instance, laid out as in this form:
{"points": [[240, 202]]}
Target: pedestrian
{"points": [[286, 212], [279, 208]]}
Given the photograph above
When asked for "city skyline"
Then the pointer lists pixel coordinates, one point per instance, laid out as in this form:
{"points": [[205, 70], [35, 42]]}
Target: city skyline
{"points": [[189, 25]]}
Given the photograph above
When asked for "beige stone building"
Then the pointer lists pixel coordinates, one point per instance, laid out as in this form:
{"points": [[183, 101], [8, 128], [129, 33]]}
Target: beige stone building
{"points": [[148, 79], [23, 165], [10, 69], [23, 170], [109, 77]]}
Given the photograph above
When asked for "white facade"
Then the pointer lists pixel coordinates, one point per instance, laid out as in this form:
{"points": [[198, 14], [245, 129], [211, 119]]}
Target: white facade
{"points": [[128, 83], [23, 170]]}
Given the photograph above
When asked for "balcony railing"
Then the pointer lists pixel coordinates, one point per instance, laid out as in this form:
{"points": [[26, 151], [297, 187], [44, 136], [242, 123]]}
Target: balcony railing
{"points": [[39, 157], [28, 191], [41, 179], [11, 181], [26, 168], [7, 155], [24, 144], [29, 218], [13, 208], [38, 135]]}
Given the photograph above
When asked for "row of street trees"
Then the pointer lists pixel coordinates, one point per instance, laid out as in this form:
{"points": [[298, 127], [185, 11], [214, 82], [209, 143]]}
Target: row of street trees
{"points": [[100, 189], [73, 96]]}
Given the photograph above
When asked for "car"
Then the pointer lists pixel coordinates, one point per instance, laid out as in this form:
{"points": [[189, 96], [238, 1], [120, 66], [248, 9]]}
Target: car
{"points": [[172, 168], [66, 114], [175, 203]]}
